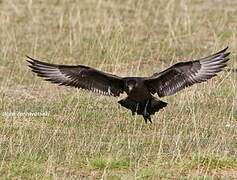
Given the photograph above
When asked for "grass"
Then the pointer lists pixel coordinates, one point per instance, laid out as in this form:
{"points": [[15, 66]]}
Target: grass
{"points": [[87, 136], [102, 163]]}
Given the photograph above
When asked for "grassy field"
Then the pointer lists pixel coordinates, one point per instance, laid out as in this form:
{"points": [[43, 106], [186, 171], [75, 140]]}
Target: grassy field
{"points": [[80, 135]]}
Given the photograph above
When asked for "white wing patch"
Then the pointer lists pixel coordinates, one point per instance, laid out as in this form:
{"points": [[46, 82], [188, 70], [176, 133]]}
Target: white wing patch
{"points": [[99, 91]]}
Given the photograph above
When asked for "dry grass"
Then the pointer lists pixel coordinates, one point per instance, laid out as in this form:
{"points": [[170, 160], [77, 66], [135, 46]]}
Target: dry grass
{"points": [[89, 136]]}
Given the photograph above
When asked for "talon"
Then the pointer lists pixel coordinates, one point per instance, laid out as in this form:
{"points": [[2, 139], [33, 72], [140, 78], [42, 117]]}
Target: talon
{"points": [[145, 118], [149, 118]]}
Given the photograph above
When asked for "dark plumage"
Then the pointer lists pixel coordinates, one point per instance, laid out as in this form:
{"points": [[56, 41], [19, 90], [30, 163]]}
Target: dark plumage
{"points": [[140, 90]]}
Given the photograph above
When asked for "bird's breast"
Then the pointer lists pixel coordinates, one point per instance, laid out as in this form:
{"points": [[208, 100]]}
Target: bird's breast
{"points": [[139, 94]]}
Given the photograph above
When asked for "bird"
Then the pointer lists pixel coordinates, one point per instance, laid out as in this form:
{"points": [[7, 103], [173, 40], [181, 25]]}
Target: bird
{"points": [[141, 92]]}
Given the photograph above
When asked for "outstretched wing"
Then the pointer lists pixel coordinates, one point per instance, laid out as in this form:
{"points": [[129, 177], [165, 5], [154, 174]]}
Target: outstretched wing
{"points": [[185, 74], [78, 76]]}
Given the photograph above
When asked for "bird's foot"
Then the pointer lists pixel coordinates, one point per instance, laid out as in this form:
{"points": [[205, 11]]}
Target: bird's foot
{"points": [[147, 117]]}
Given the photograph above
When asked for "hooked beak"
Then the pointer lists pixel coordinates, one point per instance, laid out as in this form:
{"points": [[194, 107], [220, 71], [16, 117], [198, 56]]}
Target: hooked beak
{"points": [[130, 88]]}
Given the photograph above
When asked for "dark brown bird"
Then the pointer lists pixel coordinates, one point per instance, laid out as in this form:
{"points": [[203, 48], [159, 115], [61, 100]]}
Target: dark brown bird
{"points": [[140, 90]]}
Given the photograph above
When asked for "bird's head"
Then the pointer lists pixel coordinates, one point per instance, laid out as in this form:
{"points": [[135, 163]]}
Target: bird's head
{"points": [[130, 85]]}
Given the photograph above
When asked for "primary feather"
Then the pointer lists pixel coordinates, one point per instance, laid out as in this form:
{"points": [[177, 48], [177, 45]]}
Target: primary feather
{"points": [[78, 76], [185, 74]]}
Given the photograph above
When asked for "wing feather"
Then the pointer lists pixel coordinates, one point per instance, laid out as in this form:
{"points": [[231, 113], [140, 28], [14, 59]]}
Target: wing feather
{"points": [[78, 76], [184, 74]]}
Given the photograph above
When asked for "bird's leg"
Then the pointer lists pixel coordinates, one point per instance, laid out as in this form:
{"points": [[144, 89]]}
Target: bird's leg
{"points": [[145, 109], [137, 106], [146, 115], [145, 118], [149, 118]]}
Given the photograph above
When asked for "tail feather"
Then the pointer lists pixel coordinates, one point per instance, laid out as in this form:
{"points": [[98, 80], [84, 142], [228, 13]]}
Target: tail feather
{"points": [[129, 104], [156, 105], [153, 106]]}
